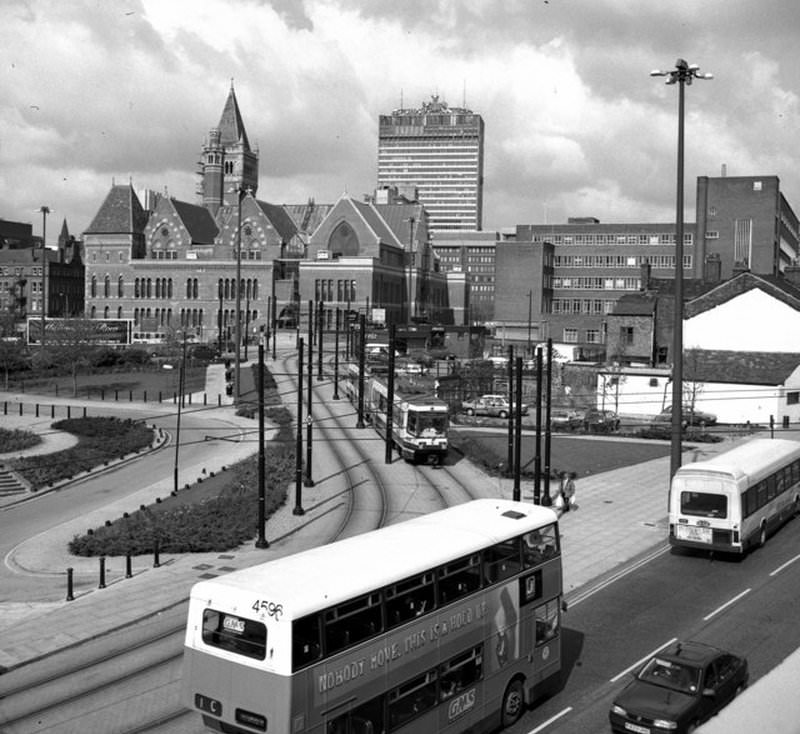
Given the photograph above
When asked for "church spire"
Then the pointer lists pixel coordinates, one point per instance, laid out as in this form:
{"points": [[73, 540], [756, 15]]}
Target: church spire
{"points": [[231, 127], [227, 162]]}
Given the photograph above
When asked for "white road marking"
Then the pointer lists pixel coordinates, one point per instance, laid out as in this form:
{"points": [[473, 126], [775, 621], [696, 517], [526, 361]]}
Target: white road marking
{"points": [[547, 723], [726, 604], [788, 563], [640, 661]]}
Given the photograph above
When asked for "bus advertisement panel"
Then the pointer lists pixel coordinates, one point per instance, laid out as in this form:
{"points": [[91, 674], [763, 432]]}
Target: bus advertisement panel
{"points": [[444, 623]]}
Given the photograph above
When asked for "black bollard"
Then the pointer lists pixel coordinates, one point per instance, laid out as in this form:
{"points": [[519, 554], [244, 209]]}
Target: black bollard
{"points": [[102, 584], [37, 410], [70, 597], [128, 572], [156, 562]]}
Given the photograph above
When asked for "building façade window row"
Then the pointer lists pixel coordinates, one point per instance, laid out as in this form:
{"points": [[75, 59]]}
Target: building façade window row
{"points": [[657, 262], [94, 289], [662, 238], [152, 288]]}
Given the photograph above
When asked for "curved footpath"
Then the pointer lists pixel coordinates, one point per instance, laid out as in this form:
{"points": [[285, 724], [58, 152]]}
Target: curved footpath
{"points": [[621, 517]]}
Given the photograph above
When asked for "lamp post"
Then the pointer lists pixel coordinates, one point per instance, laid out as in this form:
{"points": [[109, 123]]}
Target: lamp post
{"points": [[682, 74], [241, 192], [45, 211]]}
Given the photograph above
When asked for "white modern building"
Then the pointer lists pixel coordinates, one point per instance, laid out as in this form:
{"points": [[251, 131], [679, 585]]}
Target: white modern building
{"points": [[437, 150]]}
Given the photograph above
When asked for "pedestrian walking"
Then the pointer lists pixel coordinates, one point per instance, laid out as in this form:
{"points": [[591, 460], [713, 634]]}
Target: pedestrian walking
{"points": [[568, 492]]}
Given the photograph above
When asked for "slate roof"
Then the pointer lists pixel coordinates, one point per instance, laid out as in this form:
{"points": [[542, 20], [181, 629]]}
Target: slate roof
{"points": [[397, 218], [751, 368], [636, 304], [376, 222], [198, 221], [280, 219], [776, 286], [307, 217], [231, 127], [120, 213]]}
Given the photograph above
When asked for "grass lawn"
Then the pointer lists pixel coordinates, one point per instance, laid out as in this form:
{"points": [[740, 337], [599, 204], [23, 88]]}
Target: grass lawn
{"points": [[584, 456], [151, 380]]}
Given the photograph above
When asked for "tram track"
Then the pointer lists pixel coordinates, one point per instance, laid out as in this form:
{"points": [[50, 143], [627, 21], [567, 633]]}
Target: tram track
{"points": [[129, 680]]}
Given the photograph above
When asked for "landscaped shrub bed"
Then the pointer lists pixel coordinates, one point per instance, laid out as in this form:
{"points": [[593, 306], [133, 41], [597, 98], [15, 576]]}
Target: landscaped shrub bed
{"points": [[99, 440], [17, 440], [225, 519]]}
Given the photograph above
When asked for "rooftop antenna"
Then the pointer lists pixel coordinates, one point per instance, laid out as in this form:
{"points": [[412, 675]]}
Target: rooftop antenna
{"points": [[401, 98]]}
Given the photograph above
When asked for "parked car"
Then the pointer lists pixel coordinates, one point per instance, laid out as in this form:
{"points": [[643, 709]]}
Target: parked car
{"points": [[600, 421], [678, 689], [566, 419], [691, 416], [496, 406]]}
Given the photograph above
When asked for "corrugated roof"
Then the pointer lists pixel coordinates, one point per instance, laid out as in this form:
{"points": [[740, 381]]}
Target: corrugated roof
{"points": [[120, 213]]}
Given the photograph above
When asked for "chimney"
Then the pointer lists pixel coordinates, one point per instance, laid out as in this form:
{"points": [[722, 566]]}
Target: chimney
{"points": [[645, 276]]}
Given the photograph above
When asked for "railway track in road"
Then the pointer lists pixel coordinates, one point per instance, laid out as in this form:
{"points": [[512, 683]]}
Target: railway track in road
{"points": [[129, 680]]}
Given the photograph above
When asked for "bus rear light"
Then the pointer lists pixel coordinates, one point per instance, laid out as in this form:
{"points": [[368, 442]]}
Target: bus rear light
{"points": [[248, 718]]}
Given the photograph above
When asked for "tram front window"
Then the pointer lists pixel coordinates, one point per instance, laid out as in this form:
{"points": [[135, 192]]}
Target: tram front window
{"points": [[420, 424]]}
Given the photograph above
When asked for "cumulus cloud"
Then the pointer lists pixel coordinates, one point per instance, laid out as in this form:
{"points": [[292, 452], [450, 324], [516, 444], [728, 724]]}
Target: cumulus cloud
{"points": [[575, 126]]}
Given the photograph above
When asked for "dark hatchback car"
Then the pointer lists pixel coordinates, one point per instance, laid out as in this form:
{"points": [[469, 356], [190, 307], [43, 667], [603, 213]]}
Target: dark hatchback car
{"points": [[600, 421], [678, 689]]}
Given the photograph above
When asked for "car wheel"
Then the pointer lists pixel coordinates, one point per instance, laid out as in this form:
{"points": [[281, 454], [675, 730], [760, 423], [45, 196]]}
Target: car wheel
{"points": [[739, 690], [513, 703], [470, 411], [692, 727], [503, 414]]}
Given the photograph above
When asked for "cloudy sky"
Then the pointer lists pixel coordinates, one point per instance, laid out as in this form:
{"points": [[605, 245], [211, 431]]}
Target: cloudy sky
{"points": [[97, 91]]}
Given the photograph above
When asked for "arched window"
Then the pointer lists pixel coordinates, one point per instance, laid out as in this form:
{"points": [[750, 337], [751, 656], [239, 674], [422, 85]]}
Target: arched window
{"points": [[120, 287], [255, 289], [194, 288], [343, 240], [119, 312], [106, 287], [169, 288], [188, 287], [94, 312], [149, 288], [105, 312], [93, 288]]}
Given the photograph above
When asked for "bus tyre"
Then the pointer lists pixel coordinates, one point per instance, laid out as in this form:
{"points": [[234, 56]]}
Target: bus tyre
{"points": [[762, 536], [513, 703]]}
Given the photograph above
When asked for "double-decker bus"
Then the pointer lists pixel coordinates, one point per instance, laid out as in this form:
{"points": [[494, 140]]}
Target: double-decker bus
{"points": [[735, 499], [449, 622]]}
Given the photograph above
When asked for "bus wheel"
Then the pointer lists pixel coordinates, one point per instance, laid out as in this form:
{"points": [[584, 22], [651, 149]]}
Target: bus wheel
{"points": [[762, 536], [513, 703]]}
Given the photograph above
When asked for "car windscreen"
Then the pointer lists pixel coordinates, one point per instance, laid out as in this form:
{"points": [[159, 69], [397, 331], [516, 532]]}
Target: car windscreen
{"points": [[675, 675]]}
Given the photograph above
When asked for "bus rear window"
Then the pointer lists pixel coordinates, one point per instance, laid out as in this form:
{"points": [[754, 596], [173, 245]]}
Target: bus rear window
{"points": [[704, 504], [235, 634]]}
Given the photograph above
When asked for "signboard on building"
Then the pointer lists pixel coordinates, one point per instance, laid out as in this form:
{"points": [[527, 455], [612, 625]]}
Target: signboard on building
{"points": [[93, 331]]}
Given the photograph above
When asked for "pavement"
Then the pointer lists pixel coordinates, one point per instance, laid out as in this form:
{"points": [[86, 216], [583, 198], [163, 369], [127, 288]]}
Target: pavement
{"points": [[621, 520]]}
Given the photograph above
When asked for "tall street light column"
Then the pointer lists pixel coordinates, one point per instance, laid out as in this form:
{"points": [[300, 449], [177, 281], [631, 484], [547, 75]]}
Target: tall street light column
{"points": [[241, 192], [45, 211], [682, 74]]}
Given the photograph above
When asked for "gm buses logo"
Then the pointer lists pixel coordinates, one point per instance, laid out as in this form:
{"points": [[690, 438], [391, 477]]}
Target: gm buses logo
{"points": [[461, 704]]}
